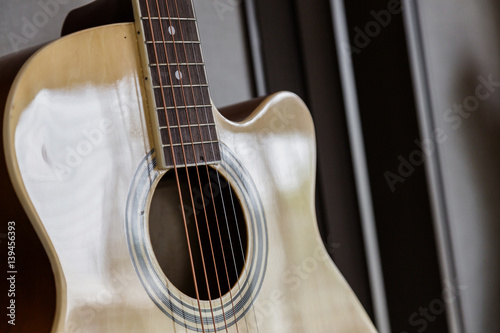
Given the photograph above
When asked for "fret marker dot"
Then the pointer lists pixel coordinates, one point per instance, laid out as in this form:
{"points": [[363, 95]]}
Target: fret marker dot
{"points": [[178, 75], [171, 30]]}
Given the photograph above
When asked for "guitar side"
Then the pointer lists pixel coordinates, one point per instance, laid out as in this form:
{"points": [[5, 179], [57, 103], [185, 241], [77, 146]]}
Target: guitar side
{"points": [[76, 134], [29, 252]]}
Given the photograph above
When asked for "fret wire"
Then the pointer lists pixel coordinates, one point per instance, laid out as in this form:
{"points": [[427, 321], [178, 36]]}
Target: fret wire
{"points": [[192, 52], [184, 106], [179, 64], [182, 86], [186, 126], [188, 144], [183, 43], [173, 42], [169, 18], [182, 165]]}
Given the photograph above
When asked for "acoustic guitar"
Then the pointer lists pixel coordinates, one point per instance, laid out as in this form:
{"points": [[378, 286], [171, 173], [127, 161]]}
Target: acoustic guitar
{"points": [[159, 214]]}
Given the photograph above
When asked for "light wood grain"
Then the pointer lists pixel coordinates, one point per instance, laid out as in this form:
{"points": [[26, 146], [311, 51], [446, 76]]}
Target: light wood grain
{"points": [[76, 132]]}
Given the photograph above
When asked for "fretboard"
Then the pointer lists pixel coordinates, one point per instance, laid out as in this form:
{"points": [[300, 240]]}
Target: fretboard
{"points": [[174, 71]]}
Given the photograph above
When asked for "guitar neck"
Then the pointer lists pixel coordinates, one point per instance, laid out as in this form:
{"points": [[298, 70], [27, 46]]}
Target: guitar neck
{"points": [[174, 74]]}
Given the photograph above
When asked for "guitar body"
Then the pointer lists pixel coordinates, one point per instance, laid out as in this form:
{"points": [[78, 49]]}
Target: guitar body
{"points": [[80, 154]]}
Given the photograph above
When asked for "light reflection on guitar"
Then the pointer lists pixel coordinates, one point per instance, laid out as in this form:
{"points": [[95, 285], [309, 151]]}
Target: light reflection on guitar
{"points": [[159, 214]]}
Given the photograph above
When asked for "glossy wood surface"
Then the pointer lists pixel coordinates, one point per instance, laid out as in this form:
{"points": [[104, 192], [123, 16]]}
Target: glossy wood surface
{"points": [[75, 134]]}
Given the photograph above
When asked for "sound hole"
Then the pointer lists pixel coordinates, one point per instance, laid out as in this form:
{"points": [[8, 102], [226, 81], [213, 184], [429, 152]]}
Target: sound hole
{"points": [[168, 236]]}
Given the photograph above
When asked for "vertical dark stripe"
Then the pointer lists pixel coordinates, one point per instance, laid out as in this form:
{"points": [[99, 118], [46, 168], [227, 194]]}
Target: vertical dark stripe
{"points": [[421, 81], [376, 278], [390, 127], [254, 41]]}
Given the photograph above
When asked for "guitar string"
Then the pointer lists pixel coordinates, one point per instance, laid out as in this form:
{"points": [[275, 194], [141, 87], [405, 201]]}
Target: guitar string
{"points": [[246, 269], [182, 145], [208, 177], [163, 98], [209, 181], [210, 134], [172, 148], [235, 217], [180, 78]]}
